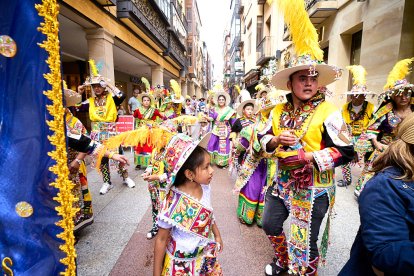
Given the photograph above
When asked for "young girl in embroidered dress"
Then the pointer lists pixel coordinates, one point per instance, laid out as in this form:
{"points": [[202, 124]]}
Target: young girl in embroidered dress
{"points": [[188, 239]]}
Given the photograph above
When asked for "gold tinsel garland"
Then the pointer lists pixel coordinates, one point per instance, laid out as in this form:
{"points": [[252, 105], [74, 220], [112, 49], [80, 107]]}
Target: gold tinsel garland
{"points": [[49, 9]]}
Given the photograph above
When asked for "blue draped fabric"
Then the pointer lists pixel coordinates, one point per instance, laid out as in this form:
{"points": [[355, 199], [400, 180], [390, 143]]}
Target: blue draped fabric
{"points": [[31, 242]]}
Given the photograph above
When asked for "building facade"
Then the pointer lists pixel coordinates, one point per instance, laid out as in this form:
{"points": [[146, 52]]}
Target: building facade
{"points": [[375, 34]]}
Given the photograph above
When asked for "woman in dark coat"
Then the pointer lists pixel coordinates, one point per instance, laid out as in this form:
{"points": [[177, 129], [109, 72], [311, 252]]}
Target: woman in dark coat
{"points": [[385, 241]]}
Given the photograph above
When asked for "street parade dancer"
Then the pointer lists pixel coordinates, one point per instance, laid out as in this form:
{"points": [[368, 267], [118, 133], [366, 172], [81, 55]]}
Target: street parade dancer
{"points": [[257, 169], [76, 164], [188, 238], [356, 114], [103, 115], [146, 115], [309, 137], [172, 103], [397, 103], [222, 116]]}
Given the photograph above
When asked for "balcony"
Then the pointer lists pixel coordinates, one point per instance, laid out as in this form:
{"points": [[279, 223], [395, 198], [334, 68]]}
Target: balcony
{"points": [[178, 27], [265, 50], [158, 20], [235, 43], [241, 8], [319, 10]]}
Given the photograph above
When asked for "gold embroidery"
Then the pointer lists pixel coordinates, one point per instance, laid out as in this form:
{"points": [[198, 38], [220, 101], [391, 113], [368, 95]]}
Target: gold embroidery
{"points": [[6, 264]]}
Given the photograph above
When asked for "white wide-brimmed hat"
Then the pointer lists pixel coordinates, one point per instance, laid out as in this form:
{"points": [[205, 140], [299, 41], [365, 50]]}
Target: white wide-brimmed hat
{"points": [[396, 81], [142, 95], [222, 93], [359, 86], [71, 97], [245, 99], [327, 74]]}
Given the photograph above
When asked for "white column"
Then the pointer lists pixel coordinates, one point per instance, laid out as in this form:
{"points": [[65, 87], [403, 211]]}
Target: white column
{"points": [[184, 88], [157, 76], [100, 49]]}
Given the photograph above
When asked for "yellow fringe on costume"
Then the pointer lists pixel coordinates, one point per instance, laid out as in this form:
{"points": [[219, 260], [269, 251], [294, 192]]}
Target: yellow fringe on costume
{"points": [[49, 10], [146, 83], [156, 136], [185, 119], [302, 31], [399, 72], [65, 86], [94, 70], [176, 88], [358, 74]]}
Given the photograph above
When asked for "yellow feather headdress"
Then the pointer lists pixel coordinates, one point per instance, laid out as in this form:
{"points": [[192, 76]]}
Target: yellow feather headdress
{"points": [[176, 88], [302, 31], [358, 74], [146, 83], [237, 88], [398, 73], [260, 86], [94, 70]]}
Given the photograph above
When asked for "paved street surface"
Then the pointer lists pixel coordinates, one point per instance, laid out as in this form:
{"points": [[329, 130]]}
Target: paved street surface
{"points": [[115, 244]]}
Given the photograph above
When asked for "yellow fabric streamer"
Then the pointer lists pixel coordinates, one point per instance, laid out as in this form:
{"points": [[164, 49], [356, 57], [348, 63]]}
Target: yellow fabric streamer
{"points": [[237, 88], [399, 72], [302, 31], [49, 9], [358, 74]]}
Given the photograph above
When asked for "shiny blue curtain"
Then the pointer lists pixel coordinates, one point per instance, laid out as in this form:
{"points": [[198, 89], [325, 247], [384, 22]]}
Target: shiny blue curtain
{"points": [[30, 242]]}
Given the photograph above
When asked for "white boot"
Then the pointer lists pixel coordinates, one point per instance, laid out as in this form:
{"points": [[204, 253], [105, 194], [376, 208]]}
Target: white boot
{"points": [[129, 182], [105, 188]]}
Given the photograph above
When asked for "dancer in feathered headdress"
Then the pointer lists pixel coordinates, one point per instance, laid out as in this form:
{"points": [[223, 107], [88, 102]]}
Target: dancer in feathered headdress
{"points": [[310, 139], [103, 114], [356, 114], [172, 103], [397, 103], [222, 117], [146, 114]]}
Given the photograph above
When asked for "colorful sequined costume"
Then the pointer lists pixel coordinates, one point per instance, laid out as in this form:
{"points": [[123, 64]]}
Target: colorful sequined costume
{"points": [[255, 174], [304, 191], [357, 122], [84, 216], [156, 189], [383, 126], [103, 115], [219, 144], [191, 249], [142, 155]]}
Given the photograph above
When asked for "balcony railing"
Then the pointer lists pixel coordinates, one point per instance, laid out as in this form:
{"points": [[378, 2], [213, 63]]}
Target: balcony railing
{"points": [[178, 26], [265, 50], [235, 43], [160, 21], [319, 10]]}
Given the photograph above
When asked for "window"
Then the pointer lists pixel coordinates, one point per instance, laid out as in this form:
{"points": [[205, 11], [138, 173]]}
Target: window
{"points": [[356, 48], [249, 44], [259, 33], [325, 54], [355, 53]]}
